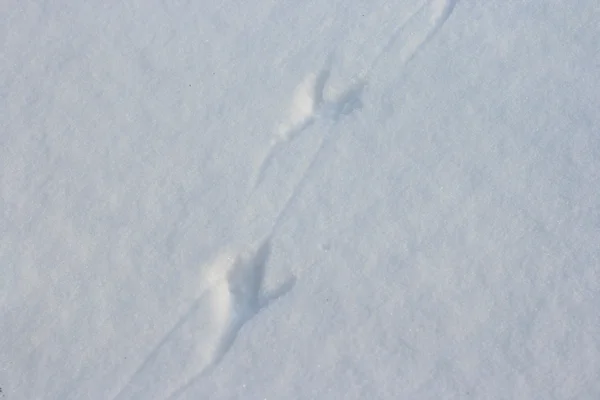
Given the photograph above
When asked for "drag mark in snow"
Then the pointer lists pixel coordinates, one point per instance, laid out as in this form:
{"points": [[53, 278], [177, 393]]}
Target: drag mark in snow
{"points": [[412, 34], [439, 12], [202, 337]]}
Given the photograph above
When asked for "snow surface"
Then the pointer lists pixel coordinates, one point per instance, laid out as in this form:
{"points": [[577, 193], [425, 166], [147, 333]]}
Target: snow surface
{"points": [[281, 199]]}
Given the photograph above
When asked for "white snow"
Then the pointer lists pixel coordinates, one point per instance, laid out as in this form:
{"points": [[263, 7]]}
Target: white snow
{"points": [[299, 200]]}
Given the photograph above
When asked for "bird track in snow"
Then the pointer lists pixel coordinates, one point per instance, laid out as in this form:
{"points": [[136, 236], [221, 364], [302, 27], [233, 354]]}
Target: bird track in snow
{"points": [[203, 335], [234, 291], [311, 101]]}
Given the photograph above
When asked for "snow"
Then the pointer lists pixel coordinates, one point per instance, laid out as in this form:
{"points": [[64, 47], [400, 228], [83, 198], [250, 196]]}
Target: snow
{"points": [[300, 200]]}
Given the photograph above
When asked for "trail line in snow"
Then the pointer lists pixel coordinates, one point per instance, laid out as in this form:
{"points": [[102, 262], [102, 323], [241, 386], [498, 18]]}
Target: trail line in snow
{"points": [[234, 292], [411, 35]]}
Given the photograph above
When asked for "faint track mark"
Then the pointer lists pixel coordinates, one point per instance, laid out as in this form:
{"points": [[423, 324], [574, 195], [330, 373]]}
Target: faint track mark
{"points": [[412, 34]]}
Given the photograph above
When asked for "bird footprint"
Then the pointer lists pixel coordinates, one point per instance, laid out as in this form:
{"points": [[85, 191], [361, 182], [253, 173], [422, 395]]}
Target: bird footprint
{"points": [[310, 102]]}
